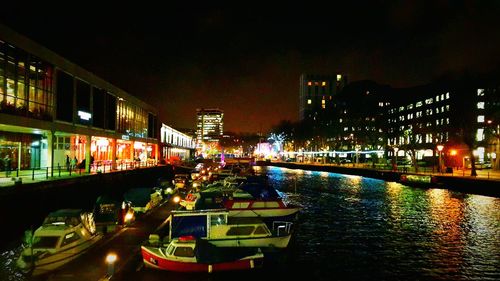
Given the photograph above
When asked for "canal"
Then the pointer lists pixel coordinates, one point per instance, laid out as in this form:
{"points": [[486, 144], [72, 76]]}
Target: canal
{"points": [[355, 228]]}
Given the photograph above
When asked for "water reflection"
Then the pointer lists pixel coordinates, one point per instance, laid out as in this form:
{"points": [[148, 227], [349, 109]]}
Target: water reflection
{"points": [[355, 228]]}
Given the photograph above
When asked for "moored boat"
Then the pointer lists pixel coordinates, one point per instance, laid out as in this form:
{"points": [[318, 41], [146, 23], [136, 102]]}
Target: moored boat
{"points": [[219, 229], [64, 235], [188, 254]]}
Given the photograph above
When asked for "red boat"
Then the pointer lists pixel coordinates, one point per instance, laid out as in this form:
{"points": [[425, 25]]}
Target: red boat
{"points": [[187, 254]]}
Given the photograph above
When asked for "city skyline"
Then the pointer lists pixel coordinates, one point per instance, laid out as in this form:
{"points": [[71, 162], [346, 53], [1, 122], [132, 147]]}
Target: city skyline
{"points": [[248, 63]]}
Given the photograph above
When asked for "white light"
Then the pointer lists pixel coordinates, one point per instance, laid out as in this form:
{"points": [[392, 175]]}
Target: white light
{"points": [[111, 258], [84, 115]]}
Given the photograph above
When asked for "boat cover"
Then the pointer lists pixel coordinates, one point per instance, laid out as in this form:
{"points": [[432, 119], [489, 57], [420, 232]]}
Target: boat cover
{"points": [[189, 225]]}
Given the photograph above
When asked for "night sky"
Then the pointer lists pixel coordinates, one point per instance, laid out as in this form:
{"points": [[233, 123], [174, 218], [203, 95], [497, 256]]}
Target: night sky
{"points": [[247, 60]]}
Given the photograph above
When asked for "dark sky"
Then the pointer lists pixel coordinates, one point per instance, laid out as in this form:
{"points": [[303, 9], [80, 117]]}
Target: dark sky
{"points": [[247, 60]]}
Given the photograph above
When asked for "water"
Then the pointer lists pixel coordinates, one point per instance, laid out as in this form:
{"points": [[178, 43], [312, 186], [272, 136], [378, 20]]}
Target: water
{"points": [[355, 228]]}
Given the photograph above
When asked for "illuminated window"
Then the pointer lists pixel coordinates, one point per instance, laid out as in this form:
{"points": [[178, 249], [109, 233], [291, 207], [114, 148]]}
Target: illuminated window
{"points": [[309, 101], [442, 96], [323, 104], [401, 108], [480, 134], [339, 77], [410, 106], [419, 104], [447, 95], [437, 98], [428, 101], [323, 83], [447, 107], [480, 118], [480, 92], [480, 105], [340, 120], [309, 83]]}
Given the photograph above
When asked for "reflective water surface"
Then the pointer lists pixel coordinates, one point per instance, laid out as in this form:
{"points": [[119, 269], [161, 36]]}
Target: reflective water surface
{"points": [[355, 228]]}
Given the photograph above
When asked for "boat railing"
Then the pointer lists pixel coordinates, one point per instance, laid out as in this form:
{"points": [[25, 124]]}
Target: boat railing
{"points": [[282, 228]]}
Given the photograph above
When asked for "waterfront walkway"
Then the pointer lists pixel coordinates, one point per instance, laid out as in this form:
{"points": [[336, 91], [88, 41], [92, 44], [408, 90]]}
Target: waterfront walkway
{"points": [[483, 174], [46, 174]]}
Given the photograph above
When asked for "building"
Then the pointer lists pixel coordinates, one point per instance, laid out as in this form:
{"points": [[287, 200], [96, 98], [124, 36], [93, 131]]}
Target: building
{"points": [[175, 145], [51, 109], [209, 126], [445, 121], [316, 96]]}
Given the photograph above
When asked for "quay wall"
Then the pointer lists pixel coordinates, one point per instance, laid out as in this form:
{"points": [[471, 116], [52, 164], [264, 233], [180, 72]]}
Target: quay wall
{"points": [[488, 187], [24, 206]]}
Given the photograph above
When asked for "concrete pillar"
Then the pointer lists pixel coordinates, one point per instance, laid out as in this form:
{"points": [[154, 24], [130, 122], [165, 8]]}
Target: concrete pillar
{"points": [[51, 138], [87, 153], [113, 154]]}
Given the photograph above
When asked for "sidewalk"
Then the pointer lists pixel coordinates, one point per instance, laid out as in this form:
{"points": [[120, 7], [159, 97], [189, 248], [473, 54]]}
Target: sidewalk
{"points": [[484, 174], [44, 174]]}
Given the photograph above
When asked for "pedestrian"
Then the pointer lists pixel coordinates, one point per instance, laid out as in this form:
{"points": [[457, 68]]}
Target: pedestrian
{"points": [[67, 162], [73, 163], [6, 163]]}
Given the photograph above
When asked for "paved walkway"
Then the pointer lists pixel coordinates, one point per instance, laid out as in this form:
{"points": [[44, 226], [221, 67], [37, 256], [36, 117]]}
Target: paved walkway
{"points": [[481, 174], [31, 176]]}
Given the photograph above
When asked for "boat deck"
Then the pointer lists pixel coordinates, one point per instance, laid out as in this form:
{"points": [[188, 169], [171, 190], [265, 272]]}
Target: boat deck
{"points": [[125, 243]]}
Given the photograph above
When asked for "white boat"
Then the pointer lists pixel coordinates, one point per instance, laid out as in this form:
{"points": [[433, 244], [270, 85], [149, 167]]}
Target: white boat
{"points": [[64, 235], [219, 229], [187, 254]]}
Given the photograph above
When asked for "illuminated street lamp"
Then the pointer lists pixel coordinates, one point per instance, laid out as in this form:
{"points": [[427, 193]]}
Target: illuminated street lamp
{"points": [[110, 260], [396, 158], [439, 148]]}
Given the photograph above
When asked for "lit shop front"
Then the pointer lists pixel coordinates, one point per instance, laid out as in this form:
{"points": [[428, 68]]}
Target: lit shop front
{"points": [[144, 152], [101, 149]]}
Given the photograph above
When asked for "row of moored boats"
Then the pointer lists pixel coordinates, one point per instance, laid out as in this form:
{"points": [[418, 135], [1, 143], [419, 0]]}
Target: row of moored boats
{"points": [[226, 219]]}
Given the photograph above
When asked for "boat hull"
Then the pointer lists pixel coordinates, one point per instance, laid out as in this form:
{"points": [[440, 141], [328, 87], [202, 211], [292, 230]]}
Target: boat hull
{"points": [[253, 242], [54, 261], [264, 213], [153, 258]]}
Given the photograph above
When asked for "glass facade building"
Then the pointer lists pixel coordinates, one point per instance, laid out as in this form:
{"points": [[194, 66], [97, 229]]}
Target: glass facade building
{"points": [[52, 109]]}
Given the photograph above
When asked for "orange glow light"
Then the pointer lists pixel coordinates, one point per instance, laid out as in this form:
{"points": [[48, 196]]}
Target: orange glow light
{"points": [[453, 152]]}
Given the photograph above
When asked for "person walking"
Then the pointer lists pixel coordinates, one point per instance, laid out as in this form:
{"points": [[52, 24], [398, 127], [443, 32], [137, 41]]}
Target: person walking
{"points": [[73, 163], [6, 164], [67, 163]]}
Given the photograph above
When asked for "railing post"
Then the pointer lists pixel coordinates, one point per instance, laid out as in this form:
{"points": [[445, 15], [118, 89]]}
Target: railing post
{"points": [[59, 169], [47, 173], [17, 172], [70, 171], [104, 168], [33, 174]]}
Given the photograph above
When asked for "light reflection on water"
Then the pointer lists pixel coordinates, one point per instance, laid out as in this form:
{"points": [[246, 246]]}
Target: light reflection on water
{"points": [[362, 228], [355, 228]]}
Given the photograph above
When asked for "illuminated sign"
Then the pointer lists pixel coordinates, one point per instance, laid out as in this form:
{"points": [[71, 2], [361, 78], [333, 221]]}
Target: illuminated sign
{"points": [[125, 137], [84, 115]]}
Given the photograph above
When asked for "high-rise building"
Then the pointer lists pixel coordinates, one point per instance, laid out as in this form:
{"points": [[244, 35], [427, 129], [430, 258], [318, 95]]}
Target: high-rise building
{"points": [[317, 93], [209, 125]]}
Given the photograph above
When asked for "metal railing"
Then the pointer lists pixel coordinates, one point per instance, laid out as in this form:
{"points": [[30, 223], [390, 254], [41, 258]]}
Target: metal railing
{"points": [[17, 176]]}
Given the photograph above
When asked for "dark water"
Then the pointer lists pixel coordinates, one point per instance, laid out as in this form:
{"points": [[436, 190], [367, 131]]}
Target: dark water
{"points": [[354, 228]]}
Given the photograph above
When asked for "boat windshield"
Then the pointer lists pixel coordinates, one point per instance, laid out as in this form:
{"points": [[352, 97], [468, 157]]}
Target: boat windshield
{"points": [[45, 242]]}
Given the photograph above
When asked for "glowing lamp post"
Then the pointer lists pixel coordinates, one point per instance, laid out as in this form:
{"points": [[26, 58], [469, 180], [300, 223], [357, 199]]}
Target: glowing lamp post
{"points": [[395, 158], [439, 148], [110, 260]]}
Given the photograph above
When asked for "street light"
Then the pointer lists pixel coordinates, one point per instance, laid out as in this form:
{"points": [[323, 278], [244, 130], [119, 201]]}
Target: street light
{"points": [[439, 148], [396, 158], [110, 260]]}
